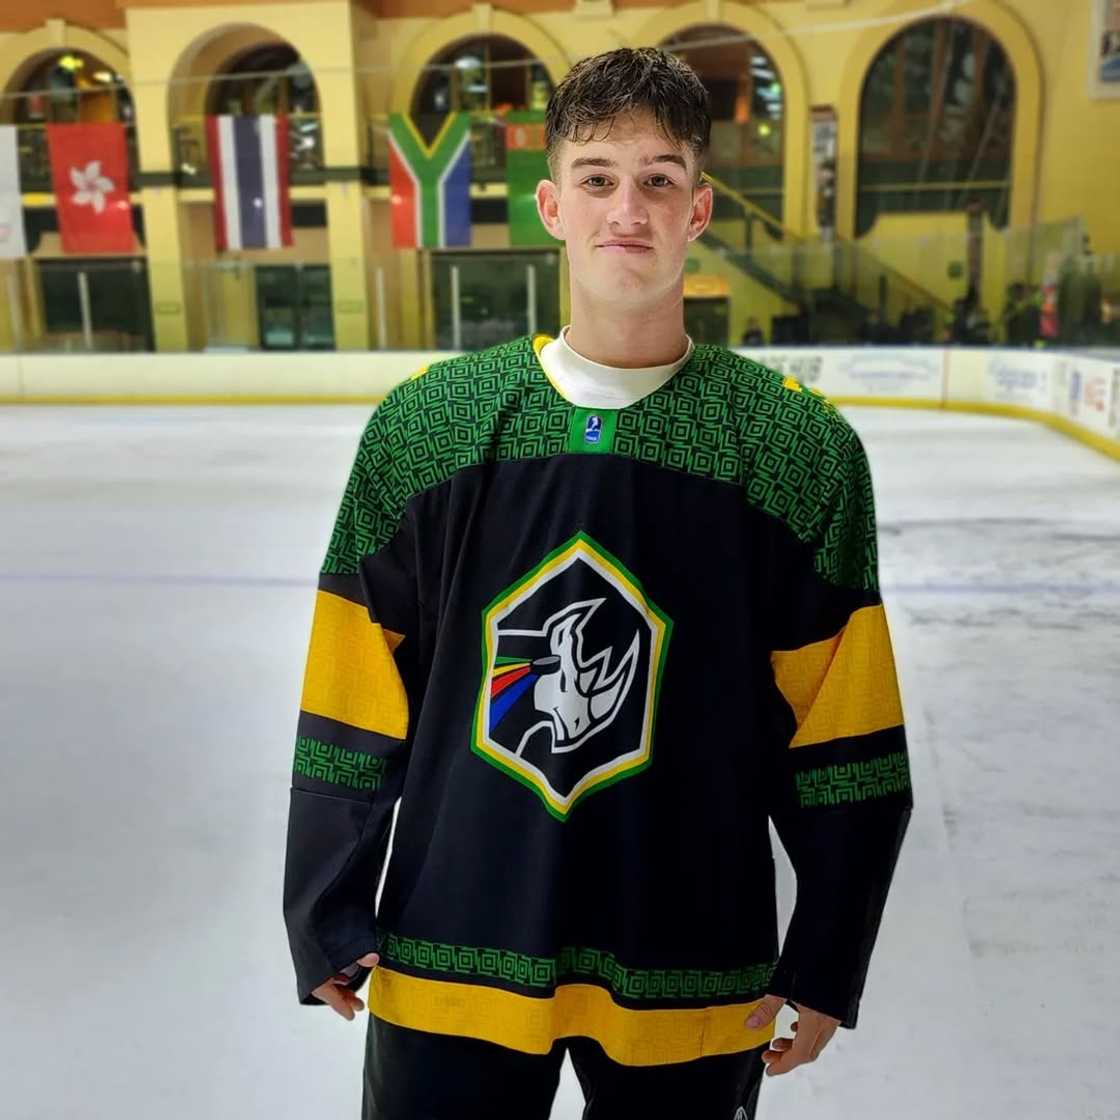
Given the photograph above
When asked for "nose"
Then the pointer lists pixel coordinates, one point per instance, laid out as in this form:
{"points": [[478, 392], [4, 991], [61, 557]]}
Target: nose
{"points": [[628, 208]]}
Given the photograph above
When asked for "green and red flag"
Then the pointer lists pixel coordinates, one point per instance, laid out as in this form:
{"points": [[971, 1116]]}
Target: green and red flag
{"points": [[525, 167], [430, 184]]}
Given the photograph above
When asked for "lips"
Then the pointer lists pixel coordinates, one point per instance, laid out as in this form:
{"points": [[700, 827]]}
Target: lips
{"points": [[627, 246]]}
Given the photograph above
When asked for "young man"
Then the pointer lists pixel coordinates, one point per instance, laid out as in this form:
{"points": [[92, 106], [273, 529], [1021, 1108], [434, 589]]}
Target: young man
{"points": [[595, 609]]}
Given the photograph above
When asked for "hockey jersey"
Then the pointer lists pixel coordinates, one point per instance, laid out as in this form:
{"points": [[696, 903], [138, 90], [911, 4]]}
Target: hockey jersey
{"points": [[591, 653]]}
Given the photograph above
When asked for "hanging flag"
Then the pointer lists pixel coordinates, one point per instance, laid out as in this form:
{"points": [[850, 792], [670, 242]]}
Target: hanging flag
{"points": [[89, 172], [525, 168], [249, 170], [430, 184], [12, 243]]}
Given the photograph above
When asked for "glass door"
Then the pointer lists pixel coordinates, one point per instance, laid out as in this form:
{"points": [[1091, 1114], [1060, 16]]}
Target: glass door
{"points": [[482, 299], [294, 307]]}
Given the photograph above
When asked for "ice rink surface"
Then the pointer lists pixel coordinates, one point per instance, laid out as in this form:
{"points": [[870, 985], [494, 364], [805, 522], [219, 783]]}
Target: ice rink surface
{"points": [[157, 570]]}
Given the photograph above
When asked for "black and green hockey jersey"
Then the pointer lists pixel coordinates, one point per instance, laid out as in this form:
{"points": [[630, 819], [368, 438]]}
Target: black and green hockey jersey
{"points": [[593, 653]]}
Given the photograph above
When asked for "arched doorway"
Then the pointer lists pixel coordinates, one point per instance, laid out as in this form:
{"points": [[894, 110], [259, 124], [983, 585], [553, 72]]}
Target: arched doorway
{"points": [[937, 118], [748, 109], [266, 297], [496, 287], [70, 300]]}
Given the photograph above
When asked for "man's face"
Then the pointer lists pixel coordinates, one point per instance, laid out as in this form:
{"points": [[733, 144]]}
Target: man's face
{"points": [[627, 208]]}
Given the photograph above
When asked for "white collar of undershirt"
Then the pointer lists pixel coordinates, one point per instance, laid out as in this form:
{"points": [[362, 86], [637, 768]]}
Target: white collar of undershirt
{"points": [[589, 384]]}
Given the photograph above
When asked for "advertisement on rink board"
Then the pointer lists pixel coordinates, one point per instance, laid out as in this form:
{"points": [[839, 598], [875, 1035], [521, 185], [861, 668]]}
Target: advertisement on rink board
{"points": [[804, 366], [1083, 390], [862, 371], [1020, 378], [1114, 405]]}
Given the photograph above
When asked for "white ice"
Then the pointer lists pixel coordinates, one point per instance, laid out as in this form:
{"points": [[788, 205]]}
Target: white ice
{"points": [[156, 576]]}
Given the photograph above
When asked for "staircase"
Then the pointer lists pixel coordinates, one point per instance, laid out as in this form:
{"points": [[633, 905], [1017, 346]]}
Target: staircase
{"points": [[835, 285]]}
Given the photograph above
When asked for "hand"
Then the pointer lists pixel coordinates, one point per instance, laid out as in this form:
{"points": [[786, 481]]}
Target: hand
{"points": [[785, 1054], [336, 994]]}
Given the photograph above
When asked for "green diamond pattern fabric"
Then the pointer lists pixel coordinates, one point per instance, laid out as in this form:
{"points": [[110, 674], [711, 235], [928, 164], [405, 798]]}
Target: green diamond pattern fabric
{"points": [[721, 416]]}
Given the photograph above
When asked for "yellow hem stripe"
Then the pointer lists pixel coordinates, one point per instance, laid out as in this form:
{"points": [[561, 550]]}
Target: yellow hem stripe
{"points": [[351, 676], [844, 686], [532, 1025]]}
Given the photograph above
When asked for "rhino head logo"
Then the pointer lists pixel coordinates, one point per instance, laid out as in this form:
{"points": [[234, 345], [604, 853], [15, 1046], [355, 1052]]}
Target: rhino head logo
{"points": [[578, 694]]}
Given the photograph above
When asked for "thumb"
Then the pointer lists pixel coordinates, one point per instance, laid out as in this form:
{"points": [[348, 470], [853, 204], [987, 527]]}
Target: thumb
{"points": [[369, 960], [768, 1007]]}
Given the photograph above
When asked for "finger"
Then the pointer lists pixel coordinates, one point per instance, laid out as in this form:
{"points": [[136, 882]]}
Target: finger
{"points": [[335, 999], [823, 1039], [781, 1043], [798, 1054], [369, 960], [768, 1007], [345, 1002]]}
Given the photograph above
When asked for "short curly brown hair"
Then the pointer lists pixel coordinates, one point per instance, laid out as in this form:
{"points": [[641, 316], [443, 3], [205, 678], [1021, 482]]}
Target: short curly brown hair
{"points": [[627, 80]]}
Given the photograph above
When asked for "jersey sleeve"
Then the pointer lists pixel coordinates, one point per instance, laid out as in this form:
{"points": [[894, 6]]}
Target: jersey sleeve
{"points": [[360, 682], [840, 794]]}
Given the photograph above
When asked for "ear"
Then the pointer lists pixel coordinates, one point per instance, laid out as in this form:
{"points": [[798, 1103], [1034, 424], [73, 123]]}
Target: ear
{"points": [[703, 198], [548, 207]]}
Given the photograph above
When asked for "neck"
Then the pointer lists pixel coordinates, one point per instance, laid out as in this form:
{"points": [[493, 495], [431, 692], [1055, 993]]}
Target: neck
{"points": [[626, 337]]}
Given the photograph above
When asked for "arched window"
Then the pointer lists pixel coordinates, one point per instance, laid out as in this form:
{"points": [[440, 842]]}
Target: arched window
{"points": [[67, 87], [936, 121], [268, 79], [72, 86], [487, 76], [747, 104]]}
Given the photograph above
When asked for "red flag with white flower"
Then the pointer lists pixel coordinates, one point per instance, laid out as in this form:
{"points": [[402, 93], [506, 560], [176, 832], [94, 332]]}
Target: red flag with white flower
{"points": [[89, 170]]}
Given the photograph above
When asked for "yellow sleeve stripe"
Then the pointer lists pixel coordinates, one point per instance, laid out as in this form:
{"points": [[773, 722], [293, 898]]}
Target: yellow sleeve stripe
{"points": [[351, 675], [844, 686]]}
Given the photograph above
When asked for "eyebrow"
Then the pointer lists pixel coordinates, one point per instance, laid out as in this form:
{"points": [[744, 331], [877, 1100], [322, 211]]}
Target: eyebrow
{"points": [[601, 161]]}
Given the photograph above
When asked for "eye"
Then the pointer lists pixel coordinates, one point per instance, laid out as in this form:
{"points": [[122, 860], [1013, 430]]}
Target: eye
{"points": [[665, 180], [590, 181]]}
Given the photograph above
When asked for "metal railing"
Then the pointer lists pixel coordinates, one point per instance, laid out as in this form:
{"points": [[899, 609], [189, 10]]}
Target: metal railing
{"points": [[192, 160], [35, 161], [810, 271]]}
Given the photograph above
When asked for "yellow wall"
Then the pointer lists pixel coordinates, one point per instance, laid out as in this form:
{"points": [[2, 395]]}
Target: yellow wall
{"points": [[1079, 172], [921, 247], [748, 297], [1066, 153]]}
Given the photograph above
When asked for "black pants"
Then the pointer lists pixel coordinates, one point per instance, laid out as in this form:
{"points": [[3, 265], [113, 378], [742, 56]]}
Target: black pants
{"points": [[414, 1075]]}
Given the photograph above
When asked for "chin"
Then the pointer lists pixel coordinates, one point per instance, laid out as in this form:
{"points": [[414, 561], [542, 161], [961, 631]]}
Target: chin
{"points": [[632, 288]]}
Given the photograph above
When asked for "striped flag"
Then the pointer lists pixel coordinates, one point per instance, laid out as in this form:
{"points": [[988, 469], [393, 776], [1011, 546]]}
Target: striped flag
{"points": [[249, 169], [12, 243], [430, 184]]}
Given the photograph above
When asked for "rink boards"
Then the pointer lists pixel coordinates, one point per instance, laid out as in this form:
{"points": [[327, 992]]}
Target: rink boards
{"points": [[1077, 394]]}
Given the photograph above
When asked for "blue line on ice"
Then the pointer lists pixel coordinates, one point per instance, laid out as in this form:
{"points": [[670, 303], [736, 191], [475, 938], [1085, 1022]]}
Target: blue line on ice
{"points": [[980, 588]]}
